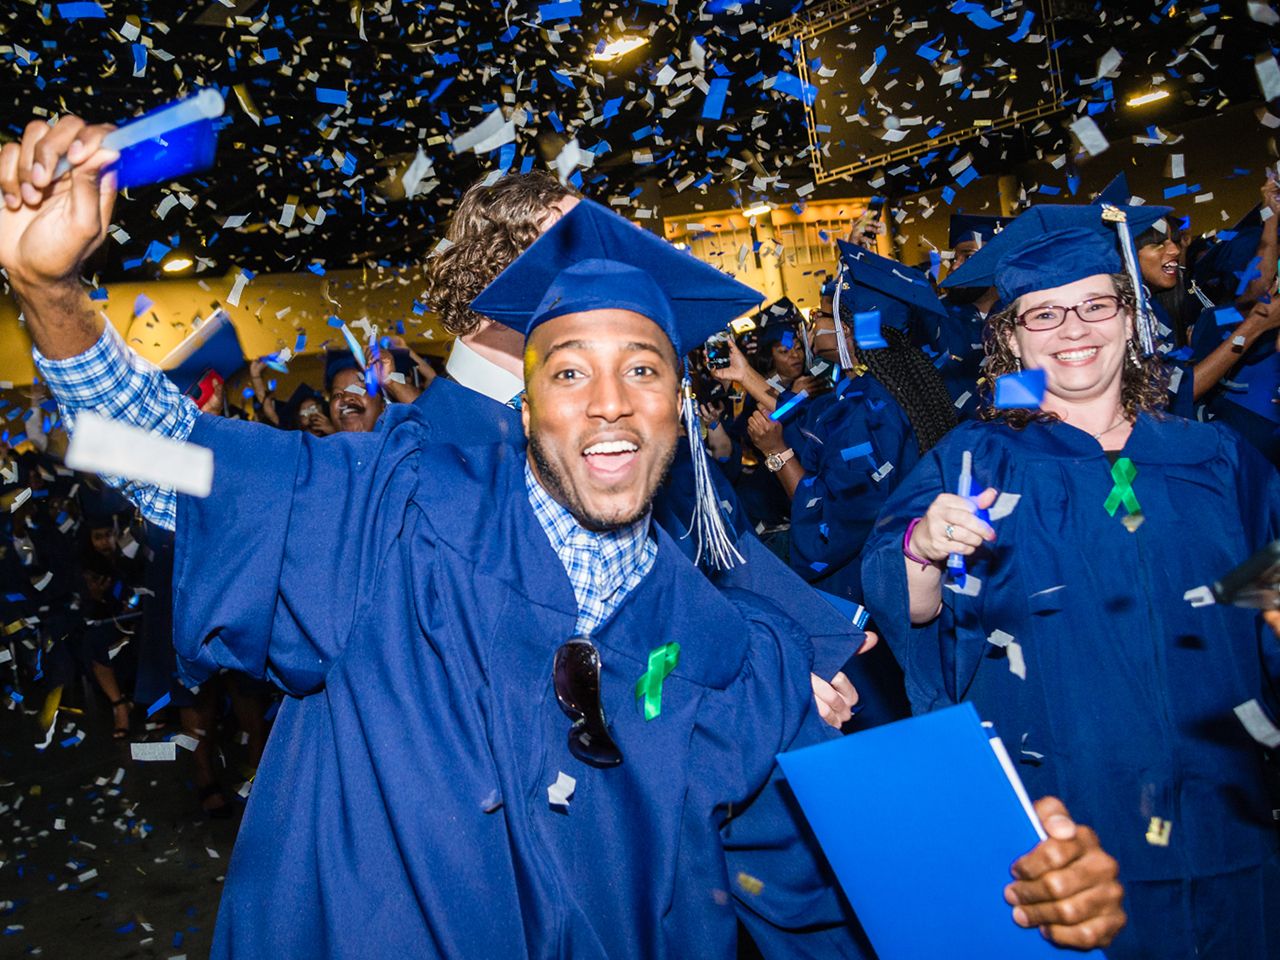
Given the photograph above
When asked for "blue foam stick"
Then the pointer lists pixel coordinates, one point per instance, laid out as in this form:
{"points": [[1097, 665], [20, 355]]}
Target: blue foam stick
{"points": [[955, 562], [781, 411], [1022, 389], [165, 143]]}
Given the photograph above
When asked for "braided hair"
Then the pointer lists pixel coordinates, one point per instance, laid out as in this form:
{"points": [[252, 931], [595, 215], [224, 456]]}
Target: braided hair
{"points": [[915, 383]]}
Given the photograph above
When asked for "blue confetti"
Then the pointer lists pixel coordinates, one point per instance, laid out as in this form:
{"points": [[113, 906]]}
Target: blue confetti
{"points": [[565, 10], [854, 452], [866, 330], [1020, 390], [784, 408], [331, 95], [713, 108], [158, 705], [81, 11]]}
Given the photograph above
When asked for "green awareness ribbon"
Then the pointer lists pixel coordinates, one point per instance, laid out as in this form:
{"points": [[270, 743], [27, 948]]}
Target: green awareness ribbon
{"points": [[1123, 472], [662, 660]]}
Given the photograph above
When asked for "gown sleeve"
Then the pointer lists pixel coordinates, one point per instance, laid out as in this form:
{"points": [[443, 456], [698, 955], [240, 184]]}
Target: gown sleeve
{"points": [[785, 894], [272, 570]]}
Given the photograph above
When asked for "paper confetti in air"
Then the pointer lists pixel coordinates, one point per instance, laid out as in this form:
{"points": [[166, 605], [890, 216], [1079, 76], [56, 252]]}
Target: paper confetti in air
{"points": [[1200, 597], [100, 445], [1089, 135]]}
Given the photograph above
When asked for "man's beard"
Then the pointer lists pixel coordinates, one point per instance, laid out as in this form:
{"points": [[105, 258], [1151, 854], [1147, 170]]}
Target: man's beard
{"points": [[557, 484]]}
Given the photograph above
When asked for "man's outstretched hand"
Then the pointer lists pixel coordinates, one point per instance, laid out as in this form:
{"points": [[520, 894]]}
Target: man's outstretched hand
{"points": [[1067, 884]]}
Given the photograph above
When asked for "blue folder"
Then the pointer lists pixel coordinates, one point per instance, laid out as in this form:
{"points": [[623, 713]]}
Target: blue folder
{"points": [[921, 824]]}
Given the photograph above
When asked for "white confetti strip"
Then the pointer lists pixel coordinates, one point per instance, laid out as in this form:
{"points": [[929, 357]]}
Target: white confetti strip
{"points": [[561, 792], [100, 445], [149, 752], [1258, 724]]}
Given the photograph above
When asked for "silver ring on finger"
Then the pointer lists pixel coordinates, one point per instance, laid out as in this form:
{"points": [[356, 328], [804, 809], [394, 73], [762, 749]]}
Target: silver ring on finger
{"points": [[949, 531]]}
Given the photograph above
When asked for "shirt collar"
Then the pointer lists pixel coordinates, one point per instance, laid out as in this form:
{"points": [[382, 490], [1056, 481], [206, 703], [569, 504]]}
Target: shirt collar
{"points": [[474, 372], [614, 555]]}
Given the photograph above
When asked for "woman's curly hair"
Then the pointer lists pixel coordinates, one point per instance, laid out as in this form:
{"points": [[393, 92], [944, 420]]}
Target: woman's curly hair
{"points": [[1143, 386], [492, 226]]}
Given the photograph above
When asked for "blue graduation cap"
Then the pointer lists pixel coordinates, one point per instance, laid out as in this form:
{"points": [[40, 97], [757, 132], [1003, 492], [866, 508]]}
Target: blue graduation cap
{"points": [[1116, 192], [979, 270], [335, 361], [593, 259], [1054, 259], [211, 350], [969, 226], [290, 411]]}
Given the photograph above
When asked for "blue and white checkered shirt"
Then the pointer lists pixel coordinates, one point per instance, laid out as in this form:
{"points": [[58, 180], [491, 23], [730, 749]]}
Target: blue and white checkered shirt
{"points": [[112, 380], [603, 567]]}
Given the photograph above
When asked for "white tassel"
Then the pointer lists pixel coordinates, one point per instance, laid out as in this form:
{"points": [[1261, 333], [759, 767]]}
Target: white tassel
{"points": [[708, 523], [842, 342], [808, 347], [1145, 320]]}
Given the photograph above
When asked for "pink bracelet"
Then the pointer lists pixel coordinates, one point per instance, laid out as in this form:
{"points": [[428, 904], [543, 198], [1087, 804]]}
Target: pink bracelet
{"points": [[906, 545]]}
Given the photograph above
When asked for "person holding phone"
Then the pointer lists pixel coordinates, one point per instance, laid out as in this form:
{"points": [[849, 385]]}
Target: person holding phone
{"points": [[1091, 521]]}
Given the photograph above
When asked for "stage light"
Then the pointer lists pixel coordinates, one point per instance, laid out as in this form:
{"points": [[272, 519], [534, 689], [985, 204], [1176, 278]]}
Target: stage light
{"points": [[177, 263], [759, 210], [616, 49], [1146, 98]]}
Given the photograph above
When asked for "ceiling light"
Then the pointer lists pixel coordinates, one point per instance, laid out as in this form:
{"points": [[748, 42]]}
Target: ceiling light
{"points": [[1146, 98], [615, 49], [177, 263], [759, 210]]}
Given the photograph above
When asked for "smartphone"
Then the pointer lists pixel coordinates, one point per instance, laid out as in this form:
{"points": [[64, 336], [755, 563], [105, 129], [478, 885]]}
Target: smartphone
{"points": [[718, 351], [203, 389], [1255, 583]]}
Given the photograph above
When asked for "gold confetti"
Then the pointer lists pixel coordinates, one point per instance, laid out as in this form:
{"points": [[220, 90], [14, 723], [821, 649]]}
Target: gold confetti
{"points": [[750, 884]]}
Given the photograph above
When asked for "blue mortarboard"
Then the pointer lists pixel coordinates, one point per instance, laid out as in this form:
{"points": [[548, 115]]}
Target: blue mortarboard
{"points": [[335, 361], [775, 321], [593, 259], [1116, 192], [1054, 259], [873, 282], [212, 346], [968, 226], [979, 270]]}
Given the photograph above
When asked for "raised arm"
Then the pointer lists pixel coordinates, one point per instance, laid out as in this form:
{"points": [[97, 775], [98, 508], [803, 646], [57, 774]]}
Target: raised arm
{"points": [[47, 230]]}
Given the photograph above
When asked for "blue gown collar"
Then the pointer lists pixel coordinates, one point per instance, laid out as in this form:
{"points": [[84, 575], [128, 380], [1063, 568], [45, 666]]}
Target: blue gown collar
{"points": [[1164, 439]]}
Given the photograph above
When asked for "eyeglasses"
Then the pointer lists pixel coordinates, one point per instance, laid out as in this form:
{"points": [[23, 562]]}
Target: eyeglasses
{"points": [[577, 681], [1093, 310]]}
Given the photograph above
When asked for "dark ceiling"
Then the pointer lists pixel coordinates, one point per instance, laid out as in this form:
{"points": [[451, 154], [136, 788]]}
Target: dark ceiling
{"points": [[417, 75]]}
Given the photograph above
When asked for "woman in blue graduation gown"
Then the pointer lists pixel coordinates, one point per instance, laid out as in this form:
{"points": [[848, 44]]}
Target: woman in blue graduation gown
{"points": [[1075, 630]]}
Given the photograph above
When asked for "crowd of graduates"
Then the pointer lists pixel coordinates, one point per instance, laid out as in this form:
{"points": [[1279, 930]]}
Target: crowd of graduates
{"points": [[1030, 553]]}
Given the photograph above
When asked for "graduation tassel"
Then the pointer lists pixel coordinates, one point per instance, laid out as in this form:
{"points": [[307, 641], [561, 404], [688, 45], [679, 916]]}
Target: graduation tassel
{"points": [[1199, 294], [842, 342], [1145, 321], [707, 524], [808, 347]]}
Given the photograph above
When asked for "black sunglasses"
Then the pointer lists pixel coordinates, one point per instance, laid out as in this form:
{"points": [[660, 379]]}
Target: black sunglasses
{"points": [[577, 679]]}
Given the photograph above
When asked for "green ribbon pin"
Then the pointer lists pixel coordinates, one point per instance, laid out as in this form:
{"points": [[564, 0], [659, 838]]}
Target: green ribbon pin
{"points": [[1123, 473], [662, 660]]}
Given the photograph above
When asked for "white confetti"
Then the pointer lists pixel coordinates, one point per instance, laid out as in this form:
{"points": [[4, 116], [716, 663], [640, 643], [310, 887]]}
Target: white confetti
{"points": [[1004, 505], [1090, 137], [489, 134], [416, 172], [147, 752], [100, 445], [561, 792], [237, 288], [1258, 724], [1268, 72], [972, 586], [1261, 11], [1199, 597]]}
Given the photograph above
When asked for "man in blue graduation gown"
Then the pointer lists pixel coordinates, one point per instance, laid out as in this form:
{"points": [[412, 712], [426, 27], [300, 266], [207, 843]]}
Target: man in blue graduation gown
{"points": [[519, 717], [478, 401]]}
